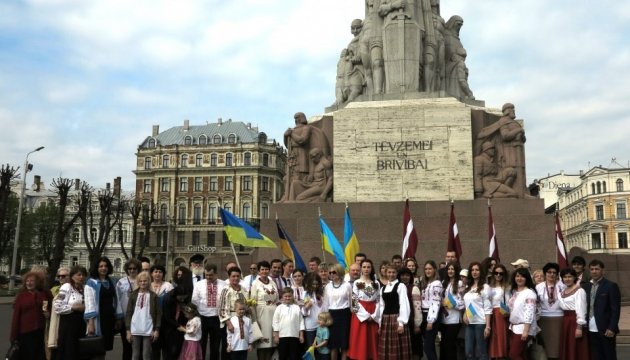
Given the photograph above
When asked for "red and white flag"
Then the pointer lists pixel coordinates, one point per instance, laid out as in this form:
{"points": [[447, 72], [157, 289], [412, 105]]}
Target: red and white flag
{"points": [[493, 245], [561, 251], [410, 238], [453, 235]]}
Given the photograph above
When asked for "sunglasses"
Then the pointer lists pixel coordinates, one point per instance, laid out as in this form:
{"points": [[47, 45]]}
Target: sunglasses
{"points": [[60, 276], [498, 273], [332, 273]]}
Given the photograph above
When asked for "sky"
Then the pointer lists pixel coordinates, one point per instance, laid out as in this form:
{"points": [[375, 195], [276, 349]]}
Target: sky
{"points": [[88, 79]]}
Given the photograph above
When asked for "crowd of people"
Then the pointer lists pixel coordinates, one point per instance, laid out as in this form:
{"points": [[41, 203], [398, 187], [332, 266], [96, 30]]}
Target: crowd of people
{"points": [[398, 310]]}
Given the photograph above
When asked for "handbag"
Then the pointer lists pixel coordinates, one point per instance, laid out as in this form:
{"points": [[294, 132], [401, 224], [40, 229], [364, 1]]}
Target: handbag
{"points": [[14, 351], [90, 346], [256, 332]]}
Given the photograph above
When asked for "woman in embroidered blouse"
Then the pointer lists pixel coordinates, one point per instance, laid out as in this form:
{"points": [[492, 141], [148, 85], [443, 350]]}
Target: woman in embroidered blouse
{"points": [[478, 310], [69, 306], [101, 302], [338, 298], [393, 315], [522, 306], [31, 308], [499, 285], [363, 325], [573, 341], [265, 293], [431, 302], [412, 265], [313, 305], [550, 312], [298, 286], [124, 287], [453, 304]]}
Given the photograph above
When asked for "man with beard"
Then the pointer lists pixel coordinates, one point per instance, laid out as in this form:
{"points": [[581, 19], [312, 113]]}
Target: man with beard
{"points": [[196, 267]]}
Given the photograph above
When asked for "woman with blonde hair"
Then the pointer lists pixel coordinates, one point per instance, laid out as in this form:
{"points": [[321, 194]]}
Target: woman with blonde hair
{"points": [[338, 298]]}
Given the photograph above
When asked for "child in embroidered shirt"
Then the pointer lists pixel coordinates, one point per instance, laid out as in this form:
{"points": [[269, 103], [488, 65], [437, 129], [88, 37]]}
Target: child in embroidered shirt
{"points": [[321, 338], [191, 350], [288, 327], [240, 340], [143, 318]]}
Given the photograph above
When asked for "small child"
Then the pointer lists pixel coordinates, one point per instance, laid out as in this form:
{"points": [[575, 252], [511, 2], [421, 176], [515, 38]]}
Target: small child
{"points": [[143, 318], [240, 340], [321, 338], [288, 327], [191, 350]]}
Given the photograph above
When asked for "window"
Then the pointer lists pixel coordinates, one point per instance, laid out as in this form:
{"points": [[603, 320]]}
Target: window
{"points": [[621, 210], [247, 159], [264, 183], [264, 211], [213, 183], [593, 189], [216, 139], [198, 183], [165, 160], [247, 183], [622, 240], [599, 187], [210, 241], [247, 211], [231, 139], [265, 160], [188, 140], [180, 238], [203, 140], [184, 160], [164, 184], [212, 214], [75, 261], [213, 160], [197, 215], [158, 238], [599, 212], [227, 206], [619, 185], [228, 183], [183, 184], [147, 163], [596, 241], [228, 159], [181, 215], [93, 234], [151, 143], [76, 235], [163, 214], [198, 160], [225, 242], [195, 237], [147, 186], [604, 186]]}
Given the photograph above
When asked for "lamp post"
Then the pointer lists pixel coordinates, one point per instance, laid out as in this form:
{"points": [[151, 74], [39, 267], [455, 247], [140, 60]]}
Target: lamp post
{"points": [[16, 242]]}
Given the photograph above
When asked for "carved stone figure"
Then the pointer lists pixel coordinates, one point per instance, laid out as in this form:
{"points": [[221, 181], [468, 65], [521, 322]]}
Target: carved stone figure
{"points": [[434, 67], [343, 68], [457, 75], [372, 47], [451, 37], [317, 186], [355, 76], [491, 180], [508, 136]]}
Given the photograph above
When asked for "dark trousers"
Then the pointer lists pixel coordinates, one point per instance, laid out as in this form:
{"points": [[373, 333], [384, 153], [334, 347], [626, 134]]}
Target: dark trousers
{"points": [[448, 343], [126, 345], [428, 338], [289, 348], [239, 355], [602, 347], [32, 345], [211, 328]]}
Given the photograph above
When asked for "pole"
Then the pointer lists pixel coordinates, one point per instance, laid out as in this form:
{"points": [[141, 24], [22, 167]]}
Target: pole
{"points": [[235, 257], [16, 241], [319, 210]]}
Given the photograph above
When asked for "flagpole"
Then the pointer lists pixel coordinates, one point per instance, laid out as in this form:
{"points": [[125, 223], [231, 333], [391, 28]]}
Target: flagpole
{"points": [[319, 211], [235, 257]]}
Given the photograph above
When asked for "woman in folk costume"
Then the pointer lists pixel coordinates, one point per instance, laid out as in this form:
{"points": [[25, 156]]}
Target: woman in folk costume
{"points": [[573, 341], [499, 285], [363, 325], [394, 341], [551, 314], [265, 293]]}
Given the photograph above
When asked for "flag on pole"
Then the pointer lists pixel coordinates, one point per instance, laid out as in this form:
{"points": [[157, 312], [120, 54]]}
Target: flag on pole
{"points": [[309, 354], [410, 238], [240, 232], [330, 243], [288, 248], [453, 235], [492, 235], [350, 241], [561, 252]]}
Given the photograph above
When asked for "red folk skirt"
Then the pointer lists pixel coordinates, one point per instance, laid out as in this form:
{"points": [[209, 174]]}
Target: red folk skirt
{"points": [[498, 347], [363, 335], [572, 348]]}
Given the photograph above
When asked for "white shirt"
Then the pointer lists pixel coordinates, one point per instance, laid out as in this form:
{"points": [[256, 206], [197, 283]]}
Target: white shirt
{"points": [[248, 281], [193, 329], [523, 311], [67, 297], [548, 309], [200, 297], [234, 338], [338, 297], [287, 320], [404, 309], [477, 305], [577, 303], [311, 314], [432, 300], [124, 287], [453, 315], [141, 322]]}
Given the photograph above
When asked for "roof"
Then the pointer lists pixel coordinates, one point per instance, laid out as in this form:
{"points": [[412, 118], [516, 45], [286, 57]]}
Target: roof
{"points": [[245, 133]]}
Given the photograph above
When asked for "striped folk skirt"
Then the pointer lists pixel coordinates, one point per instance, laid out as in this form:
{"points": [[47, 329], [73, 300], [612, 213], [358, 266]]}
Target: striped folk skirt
{"points": [[391, 345]]}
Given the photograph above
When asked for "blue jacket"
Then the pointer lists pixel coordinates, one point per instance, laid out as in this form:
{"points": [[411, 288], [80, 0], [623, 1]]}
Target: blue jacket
{"points": [[606, 307]]}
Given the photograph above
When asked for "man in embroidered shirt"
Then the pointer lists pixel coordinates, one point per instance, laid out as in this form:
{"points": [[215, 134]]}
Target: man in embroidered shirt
{"points": [[206, 295], [603, 304], [287, 271], [275, 272]]}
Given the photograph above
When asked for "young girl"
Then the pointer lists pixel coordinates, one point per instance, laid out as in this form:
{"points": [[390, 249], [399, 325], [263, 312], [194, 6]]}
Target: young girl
{"points": [[288, 328], [321, 338], [240, 339], [191, 350], [143, 318]]}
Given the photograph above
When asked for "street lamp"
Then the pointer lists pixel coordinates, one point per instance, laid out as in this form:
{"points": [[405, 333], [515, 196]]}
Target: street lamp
{"points": [[19, 219]]}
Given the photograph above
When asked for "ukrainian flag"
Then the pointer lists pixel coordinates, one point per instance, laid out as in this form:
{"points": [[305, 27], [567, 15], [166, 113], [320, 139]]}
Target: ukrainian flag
{"points": [[471, 312], [240, 232], [330, 243], [350, 241], [288, 248], [309, 354], [504, 309], [449, 301]]}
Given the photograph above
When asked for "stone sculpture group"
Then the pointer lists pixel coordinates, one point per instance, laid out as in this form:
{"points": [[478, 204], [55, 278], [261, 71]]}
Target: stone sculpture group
{"points": [[402, 46]]}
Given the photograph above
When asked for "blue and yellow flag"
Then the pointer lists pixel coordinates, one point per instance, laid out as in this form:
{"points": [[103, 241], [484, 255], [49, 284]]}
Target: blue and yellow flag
{"points": [[330, 243], [350, 241], [309, 354], [449, 301], [471, 312], [288, 248], [504, 309], [240, 232]]}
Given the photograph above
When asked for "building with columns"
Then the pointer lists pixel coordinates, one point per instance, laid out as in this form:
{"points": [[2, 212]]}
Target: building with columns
{"points": [[188, 172]]}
